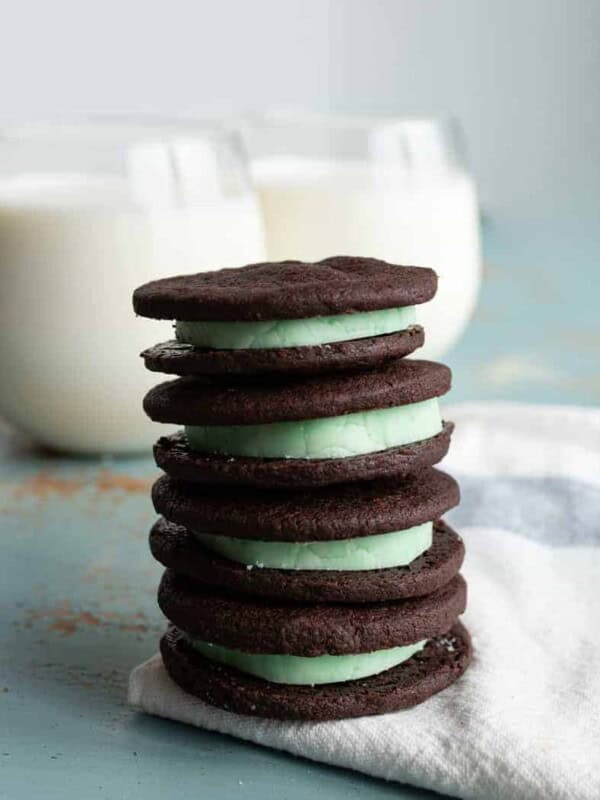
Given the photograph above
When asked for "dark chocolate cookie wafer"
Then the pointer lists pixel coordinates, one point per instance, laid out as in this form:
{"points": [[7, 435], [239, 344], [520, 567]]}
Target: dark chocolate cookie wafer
{"points": [[286, 290], [187, 401], [178, 459], [330, 512], [177, 358], [437, 666], [177, 548], [254, 625]]}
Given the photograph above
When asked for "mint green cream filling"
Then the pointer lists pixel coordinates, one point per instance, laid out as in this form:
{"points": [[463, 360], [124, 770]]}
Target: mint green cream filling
{"points": [[328, 437], [266, 334], [395, 549], [301, 670]]}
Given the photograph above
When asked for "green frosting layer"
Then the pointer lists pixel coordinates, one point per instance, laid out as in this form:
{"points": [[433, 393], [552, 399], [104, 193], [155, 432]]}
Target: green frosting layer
{"points": [[328, 437], [308, 671], [294, 332], [381, 551]]}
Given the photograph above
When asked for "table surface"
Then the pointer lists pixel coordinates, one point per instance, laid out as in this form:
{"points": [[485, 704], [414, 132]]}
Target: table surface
{"points": [[77, 589]]}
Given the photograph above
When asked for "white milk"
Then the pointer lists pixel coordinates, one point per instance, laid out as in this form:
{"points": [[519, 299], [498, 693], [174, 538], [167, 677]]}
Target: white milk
{"points": [[315, 209], [72, 250]]}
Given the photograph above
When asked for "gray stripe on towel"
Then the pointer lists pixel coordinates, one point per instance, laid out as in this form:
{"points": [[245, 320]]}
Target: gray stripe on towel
{"points": [[556, 510]]}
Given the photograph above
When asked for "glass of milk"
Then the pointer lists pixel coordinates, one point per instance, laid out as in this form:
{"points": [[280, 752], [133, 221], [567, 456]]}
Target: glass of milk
{"points": [[390, 188], [87, 213]]}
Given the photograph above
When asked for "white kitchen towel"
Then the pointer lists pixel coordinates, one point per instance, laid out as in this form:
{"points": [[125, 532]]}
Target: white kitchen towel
{"points": [[524, 721]]}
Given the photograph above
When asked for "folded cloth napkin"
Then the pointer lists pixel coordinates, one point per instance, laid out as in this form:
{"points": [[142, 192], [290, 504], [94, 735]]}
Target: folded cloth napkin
{"points": [[524, 721]]}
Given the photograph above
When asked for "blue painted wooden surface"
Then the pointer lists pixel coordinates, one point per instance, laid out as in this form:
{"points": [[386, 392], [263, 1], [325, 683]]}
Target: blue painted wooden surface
{"points": [[77, 588]]}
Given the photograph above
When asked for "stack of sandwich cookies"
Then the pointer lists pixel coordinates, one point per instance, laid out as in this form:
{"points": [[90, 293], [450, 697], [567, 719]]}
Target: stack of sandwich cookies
{"points": [[309, 573]]}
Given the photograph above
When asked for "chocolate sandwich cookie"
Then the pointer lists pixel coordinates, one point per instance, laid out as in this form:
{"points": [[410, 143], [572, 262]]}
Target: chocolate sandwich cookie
{"points": [[304, 645], [352, 542], [430, 670], [174, 455], [254, 625], [304, 431], [326, 514], [180, 549], [291, 316], [181, 358]]}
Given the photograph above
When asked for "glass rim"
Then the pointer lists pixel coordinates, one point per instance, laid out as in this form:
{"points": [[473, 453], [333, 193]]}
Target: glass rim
{"points": [[309, 118], [113, 129], [445, 129]]}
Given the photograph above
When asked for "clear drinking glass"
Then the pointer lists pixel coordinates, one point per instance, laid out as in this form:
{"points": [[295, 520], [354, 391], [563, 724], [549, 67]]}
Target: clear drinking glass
{"points": [[89, 211], [391, 188]]}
